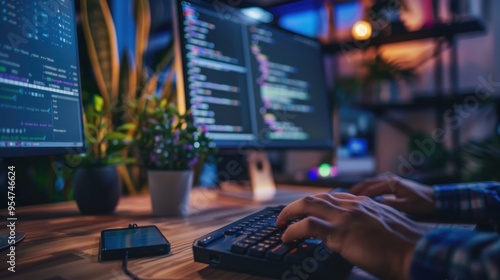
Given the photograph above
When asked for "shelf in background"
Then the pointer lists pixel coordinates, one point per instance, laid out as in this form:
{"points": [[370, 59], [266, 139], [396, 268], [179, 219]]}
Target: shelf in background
{"points": [[430, 102], [436, 31]]}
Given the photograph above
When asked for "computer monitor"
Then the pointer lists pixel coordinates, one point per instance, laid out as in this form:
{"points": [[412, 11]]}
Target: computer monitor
{"points": [[253, 86], [40, 97]]}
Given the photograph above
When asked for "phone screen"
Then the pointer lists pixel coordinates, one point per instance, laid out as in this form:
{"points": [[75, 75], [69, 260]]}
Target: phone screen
{"points": [[133, 237]]}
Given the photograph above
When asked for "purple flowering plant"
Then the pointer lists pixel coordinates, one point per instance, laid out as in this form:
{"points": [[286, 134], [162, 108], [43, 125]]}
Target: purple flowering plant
{"points": [[169, 140]]}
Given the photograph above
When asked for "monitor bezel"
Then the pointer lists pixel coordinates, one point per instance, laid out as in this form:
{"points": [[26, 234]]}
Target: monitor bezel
{"points": [[242, 145], [9, 152]]}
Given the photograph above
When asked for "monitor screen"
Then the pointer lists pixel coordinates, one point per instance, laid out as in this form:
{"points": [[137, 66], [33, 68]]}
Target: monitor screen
{"points": [[40, 102], [250, 84]]}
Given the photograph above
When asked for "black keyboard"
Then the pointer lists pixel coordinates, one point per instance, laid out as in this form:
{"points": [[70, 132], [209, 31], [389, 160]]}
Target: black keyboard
{"points": [[253, 245]]}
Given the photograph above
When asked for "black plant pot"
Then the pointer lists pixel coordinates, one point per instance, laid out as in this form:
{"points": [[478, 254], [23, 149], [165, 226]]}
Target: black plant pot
{"points": [[97, 189]]}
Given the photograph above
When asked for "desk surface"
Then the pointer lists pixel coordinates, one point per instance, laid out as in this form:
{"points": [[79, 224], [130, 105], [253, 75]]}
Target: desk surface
{"points": [[62, 244]]}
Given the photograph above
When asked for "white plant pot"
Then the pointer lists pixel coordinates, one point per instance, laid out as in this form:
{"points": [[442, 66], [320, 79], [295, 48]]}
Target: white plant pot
{"points": [[170, 192]]}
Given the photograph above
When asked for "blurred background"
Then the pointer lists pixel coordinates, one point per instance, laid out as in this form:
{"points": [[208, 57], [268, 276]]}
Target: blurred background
{"points": [[414, 89]]}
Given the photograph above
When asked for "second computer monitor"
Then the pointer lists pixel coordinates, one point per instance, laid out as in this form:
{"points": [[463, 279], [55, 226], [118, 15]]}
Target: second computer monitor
{"points": [[249, 84], [40, 96]]}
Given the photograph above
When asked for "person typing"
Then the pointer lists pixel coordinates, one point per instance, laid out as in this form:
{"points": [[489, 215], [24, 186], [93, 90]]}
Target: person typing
{"points": [[381, 239]]}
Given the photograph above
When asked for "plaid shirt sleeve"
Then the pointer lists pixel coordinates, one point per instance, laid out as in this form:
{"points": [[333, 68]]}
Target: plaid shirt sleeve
{"points": [[479, 201], [454, 254]]}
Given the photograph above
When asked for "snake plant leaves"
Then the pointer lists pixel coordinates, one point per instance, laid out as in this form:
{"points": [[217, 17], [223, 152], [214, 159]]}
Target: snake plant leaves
{"points": [[126, 90], [143, 24], [100, 35]]}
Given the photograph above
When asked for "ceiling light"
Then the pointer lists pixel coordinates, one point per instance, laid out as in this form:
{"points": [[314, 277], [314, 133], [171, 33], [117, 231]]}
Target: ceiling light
{"points": [[362, 30], [258, 14]]}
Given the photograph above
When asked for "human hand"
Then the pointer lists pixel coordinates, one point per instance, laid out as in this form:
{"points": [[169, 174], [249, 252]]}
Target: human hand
{"points": [[375, 237], [410, 197]]}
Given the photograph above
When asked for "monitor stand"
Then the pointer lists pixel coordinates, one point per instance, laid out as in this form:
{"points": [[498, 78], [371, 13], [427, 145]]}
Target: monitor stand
{"points": [[261, 186]]}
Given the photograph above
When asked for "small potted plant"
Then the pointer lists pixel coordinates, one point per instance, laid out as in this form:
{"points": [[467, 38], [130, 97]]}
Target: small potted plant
{"points": [[97, 185], [170, 145]]}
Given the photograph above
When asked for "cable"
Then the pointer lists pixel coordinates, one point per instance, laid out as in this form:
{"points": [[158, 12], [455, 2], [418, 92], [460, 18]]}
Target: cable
{"points": [[125, 269]]}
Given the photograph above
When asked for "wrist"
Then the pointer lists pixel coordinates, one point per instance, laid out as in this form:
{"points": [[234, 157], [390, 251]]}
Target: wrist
{"points": [[402, 262], [429, 196], [407, 261]]}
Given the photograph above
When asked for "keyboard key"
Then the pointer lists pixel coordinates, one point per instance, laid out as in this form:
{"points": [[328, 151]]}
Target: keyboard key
{"points": [[255, 237], [269, 242], [249, 241], [257, 251], [209, 239], [303, 250], [277, 253], [271, 228], [261, 234], [274, 238], [230, 232], [243, 232], [266, 232], [240, 247], [262, 224]]}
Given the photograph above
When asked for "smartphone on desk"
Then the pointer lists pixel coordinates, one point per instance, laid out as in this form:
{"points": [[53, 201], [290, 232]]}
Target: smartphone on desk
{"points": [[136, 241]]}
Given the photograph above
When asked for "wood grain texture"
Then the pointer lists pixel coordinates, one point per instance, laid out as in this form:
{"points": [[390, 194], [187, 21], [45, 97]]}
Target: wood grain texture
{"points": [[61, 244]]}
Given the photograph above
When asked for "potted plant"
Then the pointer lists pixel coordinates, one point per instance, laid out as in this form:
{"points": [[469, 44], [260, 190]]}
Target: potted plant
{"points": [[97, 185], [170, 145], [123, 77]]}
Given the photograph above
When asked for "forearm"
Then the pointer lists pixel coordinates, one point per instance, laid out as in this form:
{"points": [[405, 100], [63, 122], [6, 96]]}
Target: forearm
{"points": [[456, 254], [479, 201]]}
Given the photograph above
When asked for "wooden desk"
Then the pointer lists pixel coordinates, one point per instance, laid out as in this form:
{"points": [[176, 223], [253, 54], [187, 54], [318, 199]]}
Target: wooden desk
{"points": [[62, 244]]}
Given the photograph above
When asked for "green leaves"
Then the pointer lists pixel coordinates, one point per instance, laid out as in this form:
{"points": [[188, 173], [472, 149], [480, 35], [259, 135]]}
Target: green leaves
{"points": [[106, 144], [169, 140], [115, 136], [126, 127]]}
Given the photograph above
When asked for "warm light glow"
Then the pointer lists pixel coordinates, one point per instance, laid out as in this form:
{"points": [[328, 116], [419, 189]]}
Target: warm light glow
{"points": [[362, 30]]}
